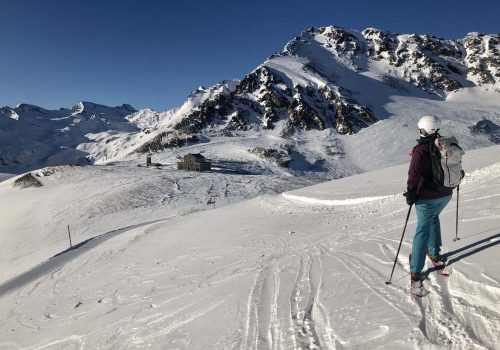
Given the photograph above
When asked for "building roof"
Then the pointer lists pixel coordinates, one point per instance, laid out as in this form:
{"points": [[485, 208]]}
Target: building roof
{"points": [[197, 156]]}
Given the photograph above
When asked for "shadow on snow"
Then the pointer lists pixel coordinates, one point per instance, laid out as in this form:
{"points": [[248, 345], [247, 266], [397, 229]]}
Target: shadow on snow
{"points": [[468, 250]]}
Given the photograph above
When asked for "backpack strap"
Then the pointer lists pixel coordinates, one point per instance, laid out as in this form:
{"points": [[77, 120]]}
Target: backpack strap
{"points": [[437, 175]]}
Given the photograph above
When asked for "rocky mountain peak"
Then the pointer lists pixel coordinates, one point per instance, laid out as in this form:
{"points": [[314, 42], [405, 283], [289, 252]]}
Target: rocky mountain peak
{"points": [[429, 62], [200, 90], [25, 107], [9, 113], [127, 107], [78, 107], [482, 57], [84, 107]]}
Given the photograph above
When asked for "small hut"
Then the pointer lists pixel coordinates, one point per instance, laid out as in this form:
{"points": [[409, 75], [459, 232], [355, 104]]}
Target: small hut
{"points": [[149, 163], [194, 162]]}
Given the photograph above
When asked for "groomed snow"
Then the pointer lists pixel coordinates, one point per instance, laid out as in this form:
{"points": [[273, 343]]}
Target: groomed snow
{"points": [[266, 273]]}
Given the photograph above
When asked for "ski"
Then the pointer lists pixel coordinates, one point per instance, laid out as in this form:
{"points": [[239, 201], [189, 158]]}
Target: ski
{"points": [[417, 289], [440, 266]]}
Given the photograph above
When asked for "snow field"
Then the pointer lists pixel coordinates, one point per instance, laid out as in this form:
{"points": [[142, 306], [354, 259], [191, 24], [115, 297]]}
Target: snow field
{"points": [[98, 199], [276, 273]]}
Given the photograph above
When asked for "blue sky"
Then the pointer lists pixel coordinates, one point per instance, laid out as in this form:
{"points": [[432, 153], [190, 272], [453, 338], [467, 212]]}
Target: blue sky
{"points": [[152, 53]]}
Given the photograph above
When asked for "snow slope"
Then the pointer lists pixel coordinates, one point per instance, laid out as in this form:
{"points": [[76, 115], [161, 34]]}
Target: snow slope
{"points": [[301, 270], [96, 199]]}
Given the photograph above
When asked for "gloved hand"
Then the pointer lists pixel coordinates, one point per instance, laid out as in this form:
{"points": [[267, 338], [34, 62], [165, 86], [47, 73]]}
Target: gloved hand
{"points": [[411, 196]]}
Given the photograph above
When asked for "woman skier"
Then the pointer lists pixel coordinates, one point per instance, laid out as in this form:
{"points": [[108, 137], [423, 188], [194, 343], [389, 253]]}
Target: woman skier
{"points": [[429, 201]]}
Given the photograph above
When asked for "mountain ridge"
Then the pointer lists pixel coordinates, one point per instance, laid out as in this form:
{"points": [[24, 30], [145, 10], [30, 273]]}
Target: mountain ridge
{"points": [[326, 78]]}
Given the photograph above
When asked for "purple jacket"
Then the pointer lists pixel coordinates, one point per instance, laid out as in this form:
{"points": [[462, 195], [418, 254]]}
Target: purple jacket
{"points": [[420, 173]]}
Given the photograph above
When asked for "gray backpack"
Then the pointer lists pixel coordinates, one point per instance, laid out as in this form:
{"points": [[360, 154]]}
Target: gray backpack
{"points": [[451, 161]]}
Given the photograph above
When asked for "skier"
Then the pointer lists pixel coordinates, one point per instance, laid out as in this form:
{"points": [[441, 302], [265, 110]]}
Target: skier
{"points": [[429, 201]]}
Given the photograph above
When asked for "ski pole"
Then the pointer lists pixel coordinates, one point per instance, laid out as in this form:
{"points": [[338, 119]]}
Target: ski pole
{"points": [[400, 242], [456, 223]]}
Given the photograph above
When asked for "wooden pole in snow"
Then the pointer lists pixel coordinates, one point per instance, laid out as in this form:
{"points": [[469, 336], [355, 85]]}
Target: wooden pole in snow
{"points": [[69, 235]]}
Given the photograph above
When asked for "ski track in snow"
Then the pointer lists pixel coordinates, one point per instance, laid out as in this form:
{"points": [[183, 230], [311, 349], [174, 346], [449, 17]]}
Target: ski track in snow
{"points": [[267, 327], [280, 315]]}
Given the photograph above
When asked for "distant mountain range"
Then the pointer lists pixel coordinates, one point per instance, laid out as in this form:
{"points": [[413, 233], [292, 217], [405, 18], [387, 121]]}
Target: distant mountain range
{"points": [[328, 78]]}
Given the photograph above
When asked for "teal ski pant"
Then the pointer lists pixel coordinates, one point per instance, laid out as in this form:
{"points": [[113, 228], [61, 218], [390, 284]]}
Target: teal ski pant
{"points": [[428, 231]]}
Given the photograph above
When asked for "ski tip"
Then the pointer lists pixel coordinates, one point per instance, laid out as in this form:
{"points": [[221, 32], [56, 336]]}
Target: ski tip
{"points": [[443, 272]]}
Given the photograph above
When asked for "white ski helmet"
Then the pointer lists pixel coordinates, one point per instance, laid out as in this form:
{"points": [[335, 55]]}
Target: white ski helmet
{"points": [[428, 124]]}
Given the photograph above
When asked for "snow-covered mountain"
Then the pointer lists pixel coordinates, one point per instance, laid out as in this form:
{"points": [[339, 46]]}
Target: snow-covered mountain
{"points": [[341, 80], [33, 137], [305, 105], [332, 77]]}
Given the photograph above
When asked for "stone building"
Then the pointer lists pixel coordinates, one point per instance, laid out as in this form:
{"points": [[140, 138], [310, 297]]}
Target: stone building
{"points": [[194, 162]]}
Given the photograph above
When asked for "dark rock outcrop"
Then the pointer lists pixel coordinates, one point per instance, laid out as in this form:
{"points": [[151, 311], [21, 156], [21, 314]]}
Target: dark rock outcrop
{"points": [[26, 181], [487, 127], [278, 157], [167, 139], [211, 111], [425, 60]]}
